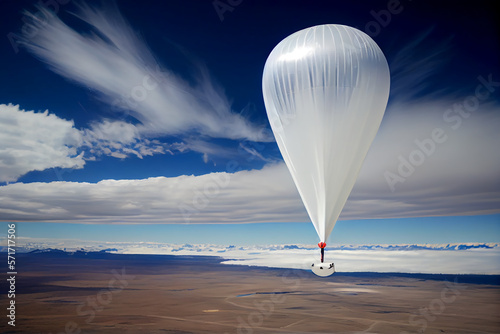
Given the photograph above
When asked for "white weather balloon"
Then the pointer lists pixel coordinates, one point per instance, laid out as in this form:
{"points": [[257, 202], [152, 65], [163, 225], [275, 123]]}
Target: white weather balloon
{"points": [[325, 89]]}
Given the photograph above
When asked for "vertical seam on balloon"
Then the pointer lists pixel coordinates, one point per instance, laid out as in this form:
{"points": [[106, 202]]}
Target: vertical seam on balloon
{"points": [[321, 165]]}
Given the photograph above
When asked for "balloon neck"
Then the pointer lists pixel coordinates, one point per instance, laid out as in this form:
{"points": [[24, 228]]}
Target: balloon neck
{"points": [[322, 245]]}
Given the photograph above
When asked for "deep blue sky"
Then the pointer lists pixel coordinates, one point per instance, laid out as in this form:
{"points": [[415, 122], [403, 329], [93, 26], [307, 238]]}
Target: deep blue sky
{"points": [[432, 230], [235, 51], [435, 50]]}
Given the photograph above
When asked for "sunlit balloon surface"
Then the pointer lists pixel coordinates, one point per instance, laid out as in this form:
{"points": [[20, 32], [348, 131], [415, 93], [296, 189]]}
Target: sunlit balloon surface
{"points": [[325, 89]]}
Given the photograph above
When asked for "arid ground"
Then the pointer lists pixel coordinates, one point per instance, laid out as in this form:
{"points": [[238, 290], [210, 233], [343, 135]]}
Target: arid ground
{"points": [[108, 293]]}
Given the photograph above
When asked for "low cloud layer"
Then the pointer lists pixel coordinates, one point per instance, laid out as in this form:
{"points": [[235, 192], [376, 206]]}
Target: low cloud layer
{"points": [[255, 196], [238, 197], [434, 259]]}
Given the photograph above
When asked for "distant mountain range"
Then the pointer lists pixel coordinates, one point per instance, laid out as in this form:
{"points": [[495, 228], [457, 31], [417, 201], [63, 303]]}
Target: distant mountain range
{"points": [[163, 248], [78, 252]]}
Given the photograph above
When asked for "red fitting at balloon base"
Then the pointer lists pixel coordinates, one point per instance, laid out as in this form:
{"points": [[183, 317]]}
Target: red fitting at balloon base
{"points": [[322, 245]]}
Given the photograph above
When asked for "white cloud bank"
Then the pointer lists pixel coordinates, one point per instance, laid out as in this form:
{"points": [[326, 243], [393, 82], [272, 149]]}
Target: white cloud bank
{"points": [[255, 196], [35, 141], [241, 197], [435, 259], [477, 261]]}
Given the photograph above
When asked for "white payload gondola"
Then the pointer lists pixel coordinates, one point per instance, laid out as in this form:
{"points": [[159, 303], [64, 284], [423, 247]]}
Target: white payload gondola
{"points": [[323, 269]]}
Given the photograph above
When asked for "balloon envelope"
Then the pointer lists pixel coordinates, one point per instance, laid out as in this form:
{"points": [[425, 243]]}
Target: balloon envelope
{"points": [[325, 90]]}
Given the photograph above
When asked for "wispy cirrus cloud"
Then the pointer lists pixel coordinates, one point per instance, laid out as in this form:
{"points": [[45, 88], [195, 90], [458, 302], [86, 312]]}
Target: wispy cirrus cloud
{"points": [[117, 64], [171, 114], [415, 64]]}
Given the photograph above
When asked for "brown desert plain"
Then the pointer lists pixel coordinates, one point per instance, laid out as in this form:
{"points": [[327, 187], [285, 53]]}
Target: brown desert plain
{"points": [[59, 292]]}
